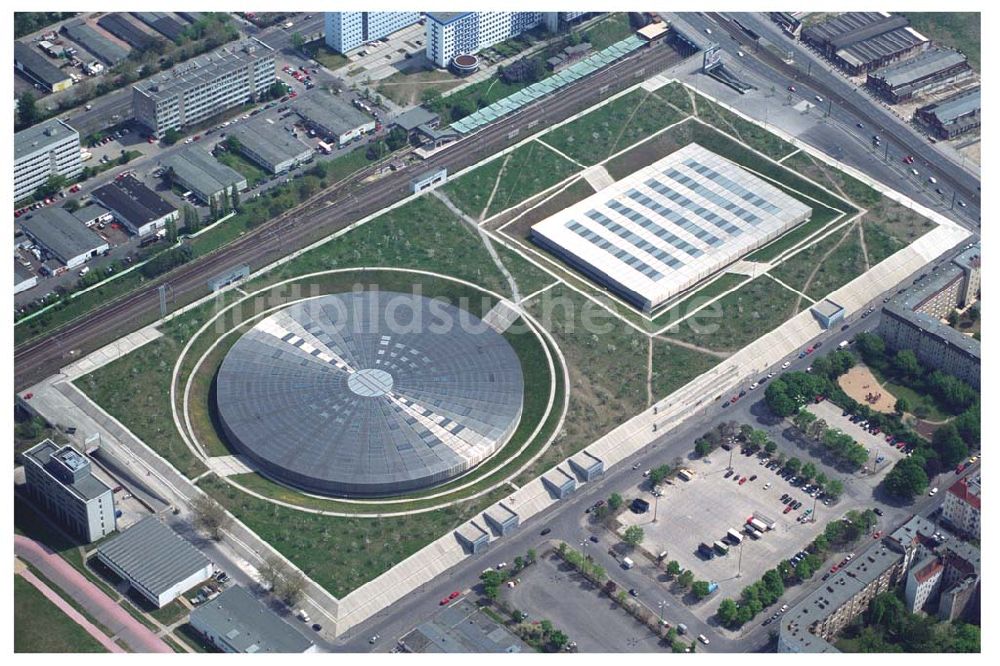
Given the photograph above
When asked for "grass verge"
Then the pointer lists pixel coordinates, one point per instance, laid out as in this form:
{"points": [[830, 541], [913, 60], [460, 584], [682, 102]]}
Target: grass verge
{"points": [[40, 626]]}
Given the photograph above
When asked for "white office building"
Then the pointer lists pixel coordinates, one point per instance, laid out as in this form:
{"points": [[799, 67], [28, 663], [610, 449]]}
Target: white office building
{"points": [[61, 482], [346, 31], [46, 149], [449, 34], [203, 87]]}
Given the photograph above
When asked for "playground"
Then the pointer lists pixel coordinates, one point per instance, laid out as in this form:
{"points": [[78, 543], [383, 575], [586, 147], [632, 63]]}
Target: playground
{"points": [[861, 384]]}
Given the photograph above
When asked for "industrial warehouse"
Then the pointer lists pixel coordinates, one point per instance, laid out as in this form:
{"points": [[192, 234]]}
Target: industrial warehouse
{"points": [[928, 72], [670, 225], [364, 394], [954, 116], [859, 42]]}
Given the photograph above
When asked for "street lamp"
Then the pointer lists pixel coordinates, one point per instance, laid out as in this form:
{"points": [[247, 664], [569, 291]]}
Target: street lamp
{"points": [[739, 563]]}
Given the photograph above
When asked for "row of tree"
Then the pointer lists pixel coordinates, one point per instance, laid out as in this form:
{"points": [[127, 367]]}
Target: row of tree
{"points": [[769, 589], [887, 626]]}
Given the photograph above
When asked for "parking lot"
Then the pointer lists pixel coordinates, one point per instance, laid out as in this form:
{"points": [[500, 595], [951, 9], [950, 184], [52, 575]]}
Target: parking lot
{"points": [[705, 508], [550, 590], [877, 445]]}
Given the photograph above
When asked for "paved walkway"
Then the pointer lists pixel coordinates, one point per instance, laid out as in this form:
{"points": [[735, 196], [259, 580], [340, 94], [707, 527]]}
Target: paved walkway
{"points": [[73, 614], [100, 606]]}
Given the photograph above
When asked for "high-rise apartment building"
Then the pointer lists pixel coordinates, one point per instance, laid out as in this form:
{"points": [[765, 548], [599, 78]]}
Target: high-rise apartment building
{"points": [[345, 31], [449, 34]]}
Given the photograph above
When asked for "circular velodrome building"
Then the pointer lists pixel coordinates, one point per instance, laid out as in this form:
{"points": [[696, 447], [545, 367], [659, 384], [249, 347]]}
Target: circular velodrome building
{"points": [[369, 393]]}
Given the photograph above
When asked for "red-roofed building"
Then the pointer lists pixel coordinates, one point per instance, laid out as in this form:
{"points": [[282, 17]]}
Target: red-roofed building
{"points": [[962, 506]]}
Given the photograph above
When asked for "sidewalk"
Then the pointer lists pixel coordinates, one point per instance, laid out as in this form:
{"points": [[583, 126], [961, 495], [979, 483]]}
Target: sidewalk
{"points": [[101, 607]]}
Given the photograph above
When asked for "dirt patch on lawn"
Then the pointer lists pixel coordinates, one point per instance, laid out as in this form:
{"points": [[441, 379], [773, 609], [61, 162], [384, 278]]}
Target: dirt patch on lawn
{"points": [[861, 384]]}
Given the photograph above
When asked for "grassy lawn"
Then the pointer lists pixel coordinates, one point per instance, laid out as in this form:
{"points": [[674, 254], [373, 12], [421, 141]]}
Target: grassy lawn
{"points": [[677, 95], [607, 370], [674, 366], [324, 55], [844, 263], [342, 553], [135, 390], [522, 173], [614, 126], [521, 229], [821, 217], [253, 173], [609, 30], [959, 30], [189, 635], [39, 626], [721, 284], [745, 131], [171, 613], [406, 88], [739, 318]]}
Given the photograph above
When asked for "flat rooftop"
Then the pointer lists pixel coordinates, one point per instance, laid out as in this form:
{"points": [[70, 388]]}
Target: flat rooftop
{"points": [[204, 69], [133, 200], [37, 65], [462, 628], [60, 233], [670, 225], [199, 169], [271, 142], [248, 625], [330, 112], [38, 137], [86, 487]]}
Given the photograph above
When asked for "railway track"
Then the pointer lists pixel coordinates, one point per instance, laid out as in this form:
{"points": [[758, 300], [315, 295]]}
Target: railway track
{"points": [[321, 215], [859, 111]]}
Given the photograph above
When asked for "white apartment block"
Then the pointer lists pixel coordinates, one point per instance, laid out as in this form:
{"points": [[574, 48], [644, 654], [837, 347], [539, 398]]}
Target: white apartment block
{"points": [[203, 87], [46, 149], [345, 31], [962, 506], [449, 34], [552, 19]]}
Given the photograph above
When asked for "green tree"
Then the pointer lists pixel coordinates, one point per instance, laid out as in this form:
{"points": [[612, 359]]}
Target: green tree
{"points": [[778, 399], [803, 419], [953, 318], [170, 137], [276, 90], [234, 198], [558, 640], [685, 578], [808, 471], [905, 363], [702, 448], [51, 186], [658, 474], [396, 138], [770, 448], [902, 405], [297, 41], [633, 535], [906, 480], [431, 98], [674, 568], [948, 444], [171, 228], [615, 502], [728, 612], [699, 589], [27, 109], [531, 556], [793, 465], [758, 439]]}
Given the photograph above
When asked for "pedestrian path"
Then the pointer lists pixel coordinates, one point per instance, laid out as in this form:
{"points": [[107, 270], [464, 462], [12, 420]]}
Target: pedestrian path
{"points": [[598, 178], [95, 602], [111, 352], [230, 465], [501, 316]]}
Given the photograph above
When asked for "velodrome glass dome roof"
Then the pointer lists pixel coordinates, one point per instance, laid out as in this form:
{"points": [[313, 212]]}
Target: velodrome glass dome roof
{"points": [[369, 393]]}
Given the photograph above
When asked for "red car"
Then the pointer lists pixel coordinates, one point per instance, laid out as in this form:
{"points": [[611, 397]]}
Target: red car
{"points": [[835, 568], [958, 470], [877, 535], [788, 508], [810, 350], [444, 601], [743, 480], [453, 595], [908, 159], [818, 399]]}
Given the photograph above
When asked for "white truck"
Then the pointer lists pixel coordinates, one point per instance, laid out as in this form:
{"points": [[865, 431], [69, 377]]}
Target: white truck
{"points": [[735, 537], [627, 563], [843, 344]]}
